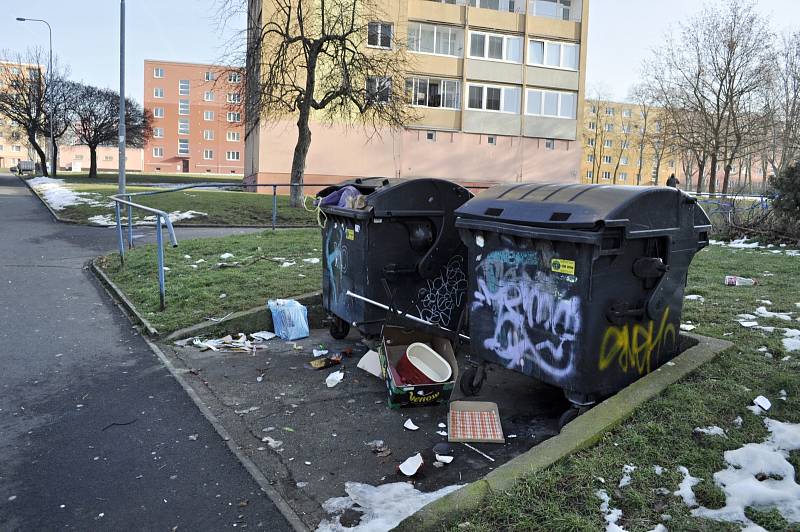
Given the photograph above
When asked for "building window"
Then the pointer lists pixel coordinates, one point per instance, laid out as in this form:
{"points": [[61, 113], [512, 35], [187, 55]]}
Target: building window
{"points": [[495, 47], [672, 165], [379, 89], [183, 107], [550, 144], [590, 158], [208, 96], [210, 76], [158, 92], [558, 9], [158, 132], [208, 154], [609, 111], [234, 77], [158, 112], [626, 128], [183, 146], [234, 116], [589, 175], [610, 128], [158, 72], [491, 139], [608, 143], [432, 92], [208, 134], [108, 158], [623, 161], [552, 103], [606, 159], [233, 136], [606, 175], [183, 126], [158, 152], [590, 142], [208, 115], [232, 155], [553, 54], [379, 34], [510, 6], [494, 98], [234, 97], [622, 176], [183, 87], [16, 148], [592, 126], [430, 135], [626, 113], [433, 39], [658, 126]]}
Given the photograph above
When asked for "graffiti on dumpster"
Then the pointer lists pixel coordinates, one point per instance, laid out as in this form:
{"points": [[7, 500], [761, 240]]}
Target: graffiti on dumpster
{"points": [[633, 345], [335, 259], [536, 322], [443, 295]]}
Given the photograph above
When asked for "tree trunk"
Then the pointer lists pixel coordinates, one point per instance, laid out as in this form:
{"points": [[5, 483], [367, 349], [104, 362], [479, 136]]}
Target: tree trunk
{"points": [[55, 158], [40, 152], [299, 159], [712, 177], [92, 161], [726, 179], [701, 168]]}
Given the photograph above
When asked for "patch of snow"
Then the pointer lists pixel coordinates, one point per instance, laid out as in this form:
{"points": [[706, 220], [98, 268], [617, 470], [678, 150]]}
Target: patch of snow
{"points": [[748, 324], [226, 256], [738, 422], [627, 469], [755, 409], [762, 311], [791, 344], [658, 470], [611, 515], [765, 301], [695, 297], [782, 395], [312, 261], [659, 528], [105, 220], [59, 196], [742, 243], [713, 430], [745, 317], [688, 327], [685, 488], [287, 264], [382, 507]]}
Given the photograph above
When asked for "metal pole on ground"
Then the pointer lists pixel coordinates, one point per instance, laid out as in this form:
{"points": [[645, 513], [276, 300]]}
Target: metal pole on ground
{"points": [[274, 205], [120, 239], [160, 245], [121, 184]]}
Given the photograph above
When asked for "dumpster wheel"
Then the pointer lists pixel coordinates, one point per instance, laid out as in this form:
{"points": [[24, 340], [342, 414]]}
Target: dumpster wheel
{"points": [[339, 328], [571, 413], [472, 380]]}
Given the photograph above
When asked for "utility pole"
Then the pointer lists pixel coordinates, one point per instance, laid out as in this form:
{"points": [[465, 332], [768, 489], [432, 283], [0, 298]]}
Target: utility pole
{"points": [[121, 187]]}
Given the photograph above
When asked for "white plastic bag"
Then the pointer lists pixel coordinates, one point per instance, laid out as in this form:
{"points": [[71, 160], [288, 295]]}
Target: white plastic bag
{"points": [[289, 318]]}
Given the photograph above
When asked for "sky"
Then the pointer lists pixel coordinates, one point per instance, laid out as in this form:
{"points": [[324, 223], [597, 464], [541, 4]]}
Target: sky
{"points": [[622, 34]]}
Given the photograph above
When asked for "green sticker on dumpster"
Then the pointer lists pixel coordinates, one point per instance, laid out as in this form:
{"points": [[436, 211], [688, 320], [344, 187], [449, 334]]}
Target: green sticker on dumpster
{"points": [[563, 266], [349, 234]]}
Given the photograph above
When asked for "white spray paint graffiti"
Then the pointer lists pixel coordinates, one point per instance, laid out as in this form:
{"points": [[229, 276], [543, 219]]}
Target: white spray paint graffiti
{"points": [[444, 294], [534, 322]]}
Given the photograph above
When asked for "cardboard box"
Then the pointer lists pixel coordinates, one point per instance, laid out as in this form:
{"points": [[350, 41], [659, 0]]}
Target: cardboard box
{"points": [[475, 422], [393, 346]]}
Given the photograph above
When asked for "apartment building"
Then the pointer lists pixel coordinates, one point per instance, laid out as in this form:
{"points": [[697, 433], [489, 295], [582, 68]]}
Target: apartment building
{"points": [[197, 123], [498, 85], [626, 144], [14, 146]]}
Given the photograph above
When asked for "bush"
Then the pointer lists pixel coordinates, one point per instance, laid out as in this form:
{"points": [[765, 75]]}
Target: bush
{"points": [[786, 200]]}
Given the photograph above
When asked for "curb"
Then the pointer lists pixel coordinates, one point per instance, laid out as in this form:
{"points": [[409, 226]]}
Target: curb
{"points": [[582, 432], [272, 494], [119, 296], [58, 218]]}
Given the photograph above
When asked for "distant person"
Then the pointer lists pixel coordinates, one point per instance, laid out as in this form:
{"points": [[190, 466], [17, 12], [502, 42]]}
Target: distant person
{"points": [[672, 181]]}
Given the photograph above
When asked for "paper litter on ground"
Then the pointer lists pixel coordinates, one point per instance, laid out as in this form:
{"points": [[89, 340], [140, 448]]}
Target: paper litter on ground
{"points": [[410, 425], [263, 335], [695, 297], [688, 327], [228, 343], [443, 458], [382, 507], [319, 352], [411, 465], [311, 261], [762, 402], [763, 312], [334, 378], [370, 363]]}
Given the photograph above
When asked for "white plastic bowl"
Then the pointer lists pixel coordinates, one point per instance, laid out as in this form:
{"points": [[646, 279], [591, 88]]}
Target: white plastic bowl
{"points": [[429, 362]]}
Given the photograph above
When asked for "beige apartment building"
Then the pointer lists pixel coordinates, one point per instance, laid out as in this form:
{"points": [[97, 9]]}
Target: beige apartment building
{"points": [[197, 122], [498, 85], [14, 145]]}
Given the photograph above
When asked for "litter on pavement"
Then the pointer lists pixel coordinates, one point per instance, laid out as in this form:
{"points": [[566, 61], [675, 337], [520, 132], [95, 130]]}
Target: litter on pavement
{"points": [[371, 364], [334, 378], [411, 465], [410, 425]]}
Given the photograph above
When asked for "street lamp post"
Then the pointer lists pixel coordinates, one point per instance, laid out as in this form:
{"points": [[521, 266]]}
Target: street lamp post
{"points": [[50, 93]]}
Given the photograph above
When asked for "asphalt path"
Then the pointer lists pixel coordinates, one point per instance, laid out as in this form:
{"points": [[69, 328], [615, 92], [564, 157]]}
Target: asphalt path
{"points": [[95, 434]]}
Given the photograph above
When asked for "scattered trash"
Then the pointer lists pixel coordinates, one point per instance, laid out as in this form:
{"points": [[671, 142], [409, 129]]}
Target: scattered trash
{"points": [[223, 296], [323, 363], [762, 402], [688, 327], [713, 430], [376, 445], [658, 470], [737, 422], [442, 448], [371, 363], [273, 443], [225, 256], [223, 318], [289, 318], [411, 465], [334, 378], [475, 421], [287, 264], [733, 280], [442, 426], [264, 336], [193, 437], [246, 410], [695, 297], [410, 425], [444, 458], [478, 451], [301, 484], [228, 343], [441, 432], [320, 352], [312, 260], [764, 313]]}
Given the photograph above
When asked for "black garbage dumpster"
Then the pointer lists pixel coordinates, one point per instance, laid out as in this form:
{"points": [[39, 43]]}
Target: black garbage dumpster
{"points": [[399, 235], [580, 286]]}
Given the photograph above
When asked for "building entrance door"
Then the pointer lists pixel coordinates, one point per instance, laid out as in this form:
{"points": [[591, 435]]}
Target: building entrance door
{"points": [[186, 166]]}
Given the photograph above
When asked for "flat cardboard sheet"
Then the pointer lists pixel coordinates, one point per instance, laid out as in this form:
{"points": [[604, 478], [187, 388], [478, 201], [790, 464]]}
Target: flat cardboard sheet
{"points": [[475, 422]]}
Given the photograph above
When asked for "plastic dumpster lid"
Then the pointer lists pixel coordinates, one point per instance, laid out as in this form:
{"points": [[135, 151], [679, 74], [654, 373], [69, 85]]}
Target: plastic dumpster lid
{"points": [[577, 206], [365, 185]]}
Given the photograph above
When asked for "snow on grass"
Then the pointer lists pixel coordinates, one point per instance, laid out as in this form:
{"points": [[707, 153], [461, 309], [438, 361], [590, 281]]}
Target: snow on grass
{"points": [[382, 507], [763, 312], [59, 196], [695, 297], [743, 243], [757, 475], [685, 488], [611, 515], [109, 220], [627, 469], [713, 430]]}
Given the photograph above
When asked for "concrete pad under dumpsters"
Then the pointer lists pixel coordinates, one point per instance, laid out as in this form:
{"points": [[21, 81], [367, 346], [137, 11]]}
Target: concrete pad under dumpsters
{"points": [[579, 434]]}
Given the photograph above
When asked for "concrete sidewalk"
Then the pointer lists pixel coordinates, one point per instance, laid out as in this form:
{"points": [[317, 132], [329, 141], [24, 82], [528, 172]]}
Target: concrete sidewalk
{"points": [[95, 434]]}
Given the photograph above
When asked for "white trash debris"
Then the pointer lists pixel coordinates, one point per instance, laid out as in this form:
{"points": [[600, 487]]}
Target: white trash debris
{"points": [[334, 378], [443, 458], [713, 430], [737, 422], [371, 363], [688, 327], [311, 261], [263, 336], [763, 312], [411, 465], [762, 402], [226, 256], [410, 425], [695, 297], [320, 352]]}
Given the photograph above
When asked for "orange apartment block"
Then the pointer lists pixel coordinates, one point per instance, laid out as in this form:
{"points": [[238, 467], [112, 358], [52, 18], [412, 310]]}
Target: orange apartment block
{"points": [[197, 126]]}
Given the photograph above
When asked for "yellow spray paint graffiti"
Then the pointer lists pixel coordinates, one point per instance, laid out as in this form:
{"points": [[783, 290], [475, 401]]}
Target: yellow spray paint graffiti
{"points": [[632, 346]]}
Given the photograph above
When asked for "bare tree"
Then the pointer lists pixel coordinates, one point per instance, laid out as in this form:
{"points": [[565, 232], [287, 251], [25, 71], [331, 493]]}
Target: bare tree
{"points": [[598, 119], [24, 98], [641, 96], [783, 107], [309, 60], [623, 145], [711, 74]]}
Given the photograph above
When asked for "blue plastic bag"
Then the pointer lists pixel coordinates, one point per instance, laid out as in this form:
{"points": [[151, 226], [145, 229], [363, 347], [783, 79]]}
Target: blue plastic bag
{"points": [[289, 318]]}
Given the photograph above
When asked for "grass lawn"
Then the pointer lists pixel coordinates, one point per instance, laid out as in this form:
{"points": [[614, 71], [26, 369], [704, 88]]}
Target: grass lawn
{"points": [[220, 207], [194, 293], [136, 178], [563, 497]]}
